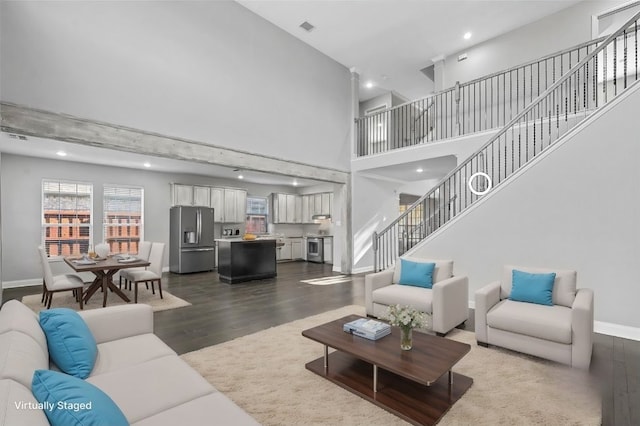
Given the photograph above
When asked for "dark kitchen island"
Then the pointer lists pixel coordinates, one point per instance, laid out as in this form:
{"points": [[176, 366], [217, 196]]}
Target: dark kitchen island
{"points": [[245, 260]]}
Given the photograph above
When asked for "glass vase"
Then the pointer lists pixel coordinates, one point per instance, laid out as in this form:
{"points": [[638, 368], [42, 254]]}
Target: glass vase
{"points": [[406, 338]]}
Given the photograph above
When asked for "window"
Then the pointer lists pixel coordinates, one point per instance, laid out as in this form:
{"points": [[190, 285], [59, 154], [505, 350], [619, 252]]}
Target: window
{"points": [[257, 213], [66, 217], [122, 221]]}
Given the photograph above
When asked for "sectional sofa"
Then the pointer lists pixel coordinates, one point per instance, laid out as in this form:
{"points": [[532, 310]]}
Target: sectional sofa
{"points": [[146, 379]]}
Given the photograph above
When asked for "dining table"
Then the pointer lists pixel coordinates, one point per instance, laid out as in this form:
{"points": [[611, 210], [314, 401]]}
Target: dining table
{"points": [[104, 269]]}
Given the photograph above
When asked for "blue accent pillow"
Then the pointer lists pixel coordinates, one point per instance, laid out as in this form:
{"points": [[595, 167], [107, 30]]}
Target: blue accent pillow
{"points": [[68, 400], [418, 274], [532, 288], [71, 344]]}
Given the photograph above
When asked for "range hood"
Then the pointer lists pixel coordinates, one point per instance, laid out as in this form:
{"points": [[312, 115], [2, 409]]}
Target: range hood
{"points": [[321, 217]]}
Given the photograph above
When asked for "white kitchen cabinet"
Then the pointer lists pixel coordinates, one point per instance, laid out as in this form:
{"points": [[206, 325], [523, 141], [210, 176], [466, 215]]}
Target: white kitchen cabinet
{"points": [[241, 206], [306, 211], [328, 250], [285, 251], [201, 196], [317, 204], [217, 202], [182, 194], [326, 202], [235, 205], [296, 249], [287, 208]]}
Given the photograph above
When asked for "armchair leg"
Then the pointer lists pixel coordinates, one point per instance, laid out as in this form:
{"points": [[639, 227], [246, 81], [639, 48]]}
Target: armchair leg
{"points": [[160, 288], [80, 292], [135, 284], [483, 344]]}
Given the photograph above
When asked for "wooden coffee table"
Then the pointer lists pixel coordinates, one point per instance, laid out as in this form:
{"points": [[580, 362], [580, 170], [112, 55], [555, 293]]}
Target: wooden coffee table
{"points": [[417, 385]]}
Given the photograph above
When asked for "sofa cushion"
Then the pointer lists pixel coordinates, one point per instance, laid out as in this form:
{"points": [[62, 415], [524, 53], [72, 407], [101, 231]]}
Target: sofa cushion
{"points": [[26, 413], [146, 389], [442, 271], [71, 344], [20, 356], [16, 316], [198, 412], [129, 351], [564, 286], [418, 297], [417, 274], [72, 401], [544, 322], [532, 288]]}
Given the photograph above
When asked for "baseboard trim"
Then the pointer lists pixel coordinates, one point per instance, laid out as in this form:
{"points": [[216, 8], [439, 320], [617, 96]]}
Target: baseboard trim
{"points": [[617, 330], [22, 283], [362, 270]]}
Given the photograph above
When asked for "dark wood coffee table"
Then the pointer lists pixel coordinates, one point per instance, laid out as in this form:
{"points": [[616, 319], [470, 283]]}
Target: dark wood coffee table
{"points": [[416, 385]]}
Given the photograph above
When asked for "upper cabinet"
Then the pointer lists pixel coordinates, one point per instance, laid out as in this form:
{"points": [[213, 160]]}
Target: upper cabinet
{"points": [[290, 208], [229, 204], [286, 208]]}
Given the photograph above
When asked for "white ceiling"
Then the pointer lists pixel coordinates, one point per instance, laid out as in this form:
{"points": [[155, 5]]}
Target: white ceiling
{"points": [[388, 42]]}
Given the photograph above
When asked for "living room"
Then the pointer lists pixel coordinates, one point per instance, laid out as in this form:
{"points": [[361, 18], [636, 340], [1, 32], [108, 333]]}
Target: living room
{"points": [[249, 90]]}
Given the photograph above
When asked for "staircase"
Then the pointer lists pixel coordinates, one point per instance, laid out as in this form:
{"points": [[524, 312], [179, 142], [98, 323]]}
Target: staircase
{"points": [[608, 70]]}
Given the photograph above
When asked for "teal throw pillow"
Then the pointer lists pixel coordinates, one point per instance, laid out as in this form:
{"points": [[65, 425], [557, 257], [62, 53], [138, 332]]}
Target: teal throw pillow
{"points": [[69, 401], [532, 288], [418, 274], [71, 344]]}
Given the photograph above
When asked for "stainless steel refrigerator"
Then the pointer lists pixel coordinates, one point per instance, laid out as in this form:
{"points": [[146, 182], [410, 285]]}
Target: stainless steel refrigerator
{"points": [[191, 240]]}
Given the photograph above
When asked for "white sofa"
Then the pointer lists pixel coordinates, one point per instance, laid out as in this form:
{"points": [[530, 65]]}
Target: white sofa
{"points": [[447, 302], [144, 377], [562, 332]]}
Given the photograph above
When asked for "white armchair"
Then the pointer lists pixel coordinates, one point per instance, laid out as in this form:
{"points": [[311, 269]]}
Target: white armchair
{"points": [[447, 302], [562, 332]]}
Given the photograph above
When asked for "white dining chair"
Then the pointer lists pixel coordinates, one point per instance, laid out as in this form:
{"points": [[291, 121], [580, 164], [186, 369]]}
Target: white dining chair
{"points": [[144, 250], [55, 283], [152, 274]]}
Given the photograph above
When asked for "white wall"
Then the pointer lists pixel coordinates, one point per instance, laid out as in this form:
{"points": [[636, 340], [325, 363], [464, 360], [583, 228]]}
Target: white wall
{"points": [[21, 187], [209, 71], [561, 30], [575, 208], [0, 228]]}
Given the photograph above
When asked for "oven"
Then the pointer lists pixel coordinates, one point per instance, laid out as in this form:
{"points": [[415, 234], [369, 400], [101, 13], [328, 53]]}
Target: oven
{"points": [[315, 249]]}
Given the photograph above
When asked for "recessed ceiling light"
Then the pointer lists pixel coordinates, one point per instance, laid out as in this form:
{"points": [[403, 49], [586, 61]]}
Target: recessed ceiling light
{"points": [[368, 84], [419, 170], [147, 164], [295, 183], [467, 35], [61, 153], [240, 177]]}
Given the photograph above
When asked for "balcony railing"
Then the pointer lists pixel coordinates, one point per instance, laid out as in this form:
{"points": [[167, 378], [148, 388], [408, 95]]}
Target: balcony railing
{"points": [[486, 103]]}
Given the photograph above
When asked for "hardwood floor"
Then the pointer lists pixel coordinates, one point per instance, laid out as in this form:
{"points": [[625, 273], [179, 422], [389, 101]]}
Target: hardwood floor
{"points": [[221, 312]]}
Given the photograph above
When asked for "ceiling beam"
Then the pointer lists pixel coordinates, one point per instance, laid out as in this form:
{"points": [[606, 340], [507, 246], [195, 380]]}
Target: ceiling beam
{"points": [[45, 124]]}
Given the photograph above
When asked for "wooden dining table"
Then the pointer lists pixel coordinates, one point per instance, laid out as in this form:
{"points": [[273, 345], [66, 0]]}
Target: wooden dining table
{"points": [[104, 270]]}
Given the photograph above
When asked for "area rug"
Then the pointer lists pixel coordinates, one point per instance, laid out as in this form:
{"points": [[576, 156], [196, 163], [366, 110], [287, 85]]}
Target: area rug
{"points": [[65, 299], [332, 279], [264, 374]]}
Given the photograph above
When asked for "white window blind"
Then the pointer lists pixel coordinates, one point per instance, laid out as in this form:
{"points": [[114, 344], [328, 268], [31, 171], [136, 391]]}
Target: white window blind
{"points": [[66, 217], [123, 218]]}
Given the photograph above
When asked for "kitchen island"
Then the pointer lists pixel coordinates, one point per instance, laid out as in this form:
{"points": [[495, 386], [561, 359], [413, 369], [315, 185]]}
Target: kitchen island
{"points": [[245, 260]]}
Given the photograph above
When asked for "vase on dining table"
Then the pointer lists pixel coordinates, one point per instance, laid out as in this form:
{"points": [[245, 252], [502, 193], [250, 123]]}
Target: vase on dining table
{"points": [[406, 338]]}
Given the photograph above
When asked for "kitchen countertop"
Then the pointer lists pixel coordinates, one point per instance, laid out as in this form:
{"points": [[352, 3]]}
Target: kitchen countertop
{"points": [[239, 239]]}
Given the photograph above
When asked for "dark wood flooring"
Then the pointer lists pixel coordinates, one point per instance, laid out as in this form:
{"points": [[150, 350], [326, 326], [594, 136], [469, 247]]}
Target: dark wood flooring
{"points": [[221, 312]]}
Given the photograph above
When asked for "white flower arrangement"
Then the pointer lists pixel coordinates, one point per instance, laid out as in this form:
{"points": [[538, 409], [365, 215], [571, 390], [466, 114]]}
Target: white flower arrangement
{"points": [[406, 317]]}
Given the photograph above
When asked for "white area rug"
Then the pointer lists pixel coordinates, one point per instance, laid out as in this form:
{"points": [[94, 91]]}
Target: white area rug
{"points": [[65, 299], [264, 374], [332, 279]]}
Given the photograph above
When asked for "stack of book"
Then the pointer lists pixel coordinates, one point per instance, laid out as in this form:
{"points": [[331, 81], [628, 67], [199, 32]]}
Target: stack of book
{"points": [[367, 328]]}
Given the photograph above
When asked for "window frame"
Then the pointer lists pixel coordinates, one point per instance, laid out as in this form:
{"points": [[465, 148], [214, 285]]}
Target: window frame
{"points": [[105, 224], [44, 225], [249, 215]]}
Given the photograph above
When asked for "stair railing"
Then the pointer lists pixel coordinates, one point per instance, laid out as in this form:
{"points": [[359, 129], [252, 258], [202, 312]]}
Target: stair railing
{"points": [[594, 81], [486, 103]]}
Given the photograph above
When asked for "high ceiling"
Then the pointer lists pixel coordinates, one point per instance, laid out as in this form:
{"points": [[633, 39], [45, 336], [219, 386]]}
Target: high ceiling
{"points": [[388, 42]]}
